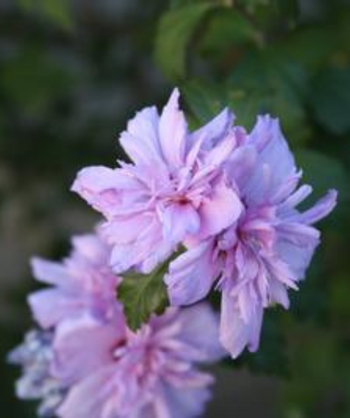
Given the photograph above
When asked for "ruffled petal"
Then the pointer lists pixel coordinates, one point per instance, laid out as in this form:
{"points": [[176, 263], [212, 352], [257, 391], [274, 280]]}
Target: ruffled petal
{"points": [[50, 306], [220, 210], [214, 130], [235, 334], [50, 272], [82, 345], [99, 187], [173, 131], [87, 398], [200, 329], [178, 221], [141, 141], [275, 161], [191, 275]]}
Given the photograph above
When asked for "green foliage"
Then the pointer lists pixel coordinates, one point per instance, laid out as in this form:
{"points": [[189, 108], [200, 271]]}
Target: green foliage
{"points": [[58, 12], [323, 172], [330, 99], [143, 295], [175, 31]]}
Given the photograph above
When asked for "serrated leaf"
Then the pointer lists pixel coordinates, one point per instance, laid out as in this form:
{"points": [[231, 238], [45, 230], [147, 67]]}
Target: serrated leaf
{"points": [[174, 34], [142, 295]]}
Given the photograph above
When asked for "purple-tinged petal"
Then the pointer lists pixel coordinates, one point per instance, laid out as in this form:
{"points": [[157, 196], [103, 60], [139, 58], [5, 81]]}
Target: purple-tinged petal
{"points": [[320, 210], [220, 210], [173, 132], [240, 165], [215, 130], [220, 153], [50, 306], [86, 399], [178, 221], [49, 272], [278, 293], [191, 275], [185, 402], [98, 186], [274, 153], [82, 345], [194, 320], [140, 141], [235, 334]]}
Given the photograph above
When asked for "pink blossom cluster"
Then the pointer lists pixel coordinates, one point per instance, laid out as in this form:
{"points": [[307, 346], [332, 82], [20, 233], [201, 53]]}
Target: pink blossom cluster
{"points": [[85, 362], [222, 204], [228, 196]]}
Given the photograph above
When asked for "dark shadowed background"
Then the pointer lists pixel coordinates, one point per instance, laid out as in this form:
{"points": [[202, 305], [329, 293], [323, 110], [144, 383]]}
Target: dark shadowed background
{"points": [[73, 72]]}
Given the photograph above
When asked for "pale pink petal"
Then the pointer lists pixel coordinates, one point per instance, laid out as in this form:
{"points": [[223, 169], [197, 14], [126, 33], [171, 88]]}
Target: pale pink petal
{"points": [[140, 141], [235, 334], [220, 210], [50, 306], [98, 186], [178, 221], [191, 275], [173, 131], [87, 398], [82, 345], [50, 272], [194, 320]]}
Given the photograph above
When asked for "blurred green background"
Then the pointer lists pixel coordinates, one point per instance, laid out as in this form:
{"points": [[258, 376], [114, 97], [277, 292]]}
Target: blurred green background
{"points": [[72, 72]]}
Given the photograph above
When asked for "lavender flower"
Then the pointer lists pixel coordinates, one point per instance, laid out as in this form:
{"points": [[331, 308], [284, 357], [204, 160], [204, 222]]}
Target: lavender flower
{"points": [[82, 282], [265, 252], [150, 373], [174, 188]]}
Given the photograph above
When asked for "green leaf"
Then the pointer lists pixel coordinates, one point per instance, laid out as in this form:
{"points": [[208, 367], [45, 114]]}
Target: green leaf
{"points": [[58, 12], [227, 28], [142, 295], [330, 99], [175, 31], [262, 83], [204, 101]]}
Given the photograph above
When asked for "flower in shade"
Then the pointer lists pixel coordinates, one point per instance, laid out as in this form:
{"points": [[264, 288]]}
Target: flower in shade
{"points": [[151, 373], [82, 282], [262, 254], [37, 383], [174, 187]]}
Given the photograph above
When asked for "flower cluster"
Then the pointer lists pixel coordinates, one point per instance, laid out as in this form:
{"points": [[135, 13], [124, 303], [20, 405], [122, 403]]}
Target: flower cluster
{"points": [[214, 208], [228, 196], [85, 362]]}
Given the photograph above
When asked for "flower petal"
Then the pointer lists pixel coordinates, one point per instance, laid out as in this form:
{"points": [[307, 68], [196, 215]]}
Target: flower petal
{"points": [[220, 210], [235, 334], [191, 275], [173, 131], [82, 345], [140, 141]]}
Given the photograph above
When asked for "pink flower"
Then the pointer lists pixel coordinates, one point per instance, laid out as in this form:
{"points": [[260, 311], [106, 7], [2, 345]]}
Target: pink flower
{"points": [[148, 374], [82, 282], [175, 186], [265, 252]]}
